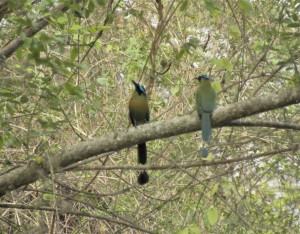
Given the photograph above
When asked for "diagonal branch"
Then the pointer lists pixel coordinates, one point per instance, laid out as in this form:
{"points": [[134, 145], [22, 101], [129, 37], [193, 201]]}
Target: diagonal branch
{"points": [[200, 163], [156, 130], [279, 125], [75, 212], [38, 25]]}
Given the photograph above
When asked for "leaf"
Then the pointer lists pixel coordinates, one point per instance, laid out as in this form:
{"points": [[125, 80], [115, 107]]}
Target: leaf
{"points": [[212, 216], [74, 90], [234, 31], [224, 63], [24, 99], [102, 81], [217, 86], [100, 2], [74, 53], [294, 25], [184, 5], [211, 6], [245, 6], [190, 229], [175, 90], [62, 20], [7, 93], [10, 108], [179, 55], [38, 159], [214, 189], [76, 27]]}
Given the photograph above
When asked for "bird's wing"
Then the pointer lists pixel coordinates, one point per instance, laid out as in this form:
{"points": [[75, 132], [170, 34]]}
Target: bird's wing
{"points": [[208, 101]]}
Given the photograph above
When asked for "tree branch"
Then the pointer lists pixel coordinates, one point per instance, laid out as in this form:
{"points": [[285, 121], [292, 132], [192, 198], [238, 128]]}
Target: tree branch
{"points": [[38, 25], [200, 163], [279, 125], [155, 130], [74, 212]]}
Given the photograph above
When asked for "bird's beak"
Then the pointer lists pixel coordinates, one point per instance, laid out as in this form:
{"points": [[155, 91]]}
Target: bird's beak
{"points": [[133, 81]]}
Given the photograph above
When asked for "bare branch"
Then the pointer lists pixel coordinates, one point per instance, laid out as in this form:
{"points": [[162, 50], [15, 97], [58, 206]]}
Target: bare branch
{"points": [[73, 212], [156, 130], [188, 165], [279, 125]]}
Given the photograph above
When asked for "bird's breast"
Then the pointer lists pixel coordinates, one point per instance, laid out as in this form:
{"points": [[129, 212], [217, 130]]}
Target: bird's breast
{"points": [[138, 108]]}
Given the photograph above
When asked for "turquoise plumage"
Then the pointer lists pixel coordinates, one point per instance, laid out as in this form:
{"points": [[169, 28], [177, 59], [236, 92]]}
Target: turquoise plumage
{"points": [[205, 104]]}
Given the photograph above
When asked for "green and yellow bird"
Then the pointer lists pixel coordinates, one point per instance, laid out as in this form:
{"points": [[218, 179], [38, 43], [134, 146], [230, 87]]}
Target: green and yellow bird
{"points": [[205, 104], [139, 114]]}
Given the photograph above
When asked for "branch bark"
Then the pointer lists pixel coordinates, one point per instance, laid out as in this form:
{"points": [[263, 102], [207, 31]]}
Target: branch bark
{"points": [[75, 212], [155, 130], [38, 25]]}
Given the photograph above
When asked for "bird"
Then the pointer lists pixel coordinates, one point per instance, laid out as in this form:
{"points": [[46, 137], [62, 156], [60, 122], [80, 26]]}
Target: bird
{"points": [[205, 105], [139, 114]]}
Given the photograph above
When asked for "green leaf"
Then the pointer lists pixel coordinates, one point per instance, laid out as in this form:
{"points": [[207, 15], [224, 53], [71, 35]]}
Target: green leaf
{"points": [[214, 189], [180, 53], [211, 6], [175, 90], [224, 63], [245, 6], [7, 93], [294, 25], [212, 216], [62, 20], [234, 32], [24, 99], [184, 5], [74, 53], [100, 2], [216, 86], [76, 27], [10, 108], [190, 229], [102, 81], [74, 90]]}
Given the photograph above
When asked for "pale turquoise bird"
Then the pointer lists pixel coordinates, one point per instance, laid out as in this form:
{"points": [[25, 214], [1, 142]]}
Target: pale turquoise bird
{"points": [[205, 104]]}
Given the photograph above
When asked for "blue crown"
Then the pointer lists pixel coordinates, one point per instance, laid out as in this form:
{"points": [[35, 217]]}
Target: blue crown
{"points": [[203, 77]]}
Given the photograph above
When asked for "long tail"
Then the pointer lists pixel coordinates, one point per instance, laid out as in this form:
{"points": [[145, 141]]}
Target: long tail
{"points": [[143, 178], [206, 126], [142, 159], [142, 153]]}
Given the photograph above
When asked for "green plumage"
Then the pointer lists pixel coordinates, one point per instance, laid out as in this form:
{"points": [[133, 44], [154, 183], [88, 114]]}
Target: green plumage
{"points": [[139, 114], [205, 104]]}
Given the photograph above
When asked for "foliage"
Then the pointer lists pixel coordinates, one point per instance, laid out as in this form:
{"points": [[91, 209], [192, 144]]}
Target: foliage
{"points": [[63, 86]]}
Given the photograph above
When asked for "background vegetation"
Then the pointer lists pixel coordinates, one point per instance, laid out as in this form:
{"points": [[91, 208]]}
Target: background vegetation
{"points": [[71, 81]]}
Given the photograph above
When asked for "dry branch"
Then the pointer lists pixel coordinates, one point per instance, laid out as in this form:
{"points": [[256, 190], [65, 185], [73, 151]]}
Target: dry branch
{"points": [[148, 132]]}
